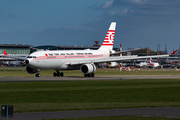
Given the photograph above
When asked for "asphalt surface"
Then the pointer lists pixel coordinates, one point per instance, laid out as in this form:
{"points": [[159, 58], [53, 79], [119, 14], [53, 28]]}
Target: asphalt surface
{"points": [[168, 112], [117, 77]]}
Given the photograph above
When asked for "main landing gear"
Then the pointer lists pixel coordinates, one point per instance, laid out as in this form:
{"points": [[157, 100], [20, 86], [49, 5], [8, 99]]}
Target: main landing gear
{"points": [[89, 75], [58, 74]]}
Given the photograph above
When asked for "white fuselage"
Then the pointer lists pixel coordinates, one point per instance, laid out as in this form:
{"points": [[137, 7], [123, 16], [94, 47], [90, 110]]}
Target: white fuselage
{"points": [[143, 64], [59, 59], [155, 64]]}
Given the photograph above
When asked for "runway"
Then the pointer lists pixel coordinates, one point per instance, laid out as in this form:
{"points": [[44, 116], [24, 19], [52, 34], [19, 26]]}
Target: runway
{"points": [[166, 112], [117, 77]]}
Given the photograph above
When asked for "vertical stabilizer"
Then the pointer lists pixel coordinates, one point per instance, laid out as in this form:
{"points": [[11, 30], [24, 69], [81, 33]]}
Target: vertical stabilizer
{"points": [[109, 39], [151, 61]]}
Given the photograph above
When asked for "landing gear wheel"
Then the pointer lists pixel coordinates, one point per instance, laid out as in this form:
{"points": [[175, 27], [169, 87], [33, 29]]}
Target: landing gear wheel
{"points": [[37, 72], [54, 74], [37, 75], [92, 74], [58, 74], [89, 75], [62, 74]]}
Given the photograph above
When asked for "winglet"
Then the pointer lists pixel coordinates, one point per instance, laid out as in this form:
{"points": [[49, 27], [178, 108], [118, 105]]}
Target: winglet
{"points": [[5, 53], [173, 52]]}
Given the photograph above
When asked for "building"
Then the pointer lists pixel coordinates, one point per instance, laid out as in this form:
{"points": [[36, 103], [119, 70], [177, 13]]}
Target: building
{"points": [[15, 48], [56, 47]]}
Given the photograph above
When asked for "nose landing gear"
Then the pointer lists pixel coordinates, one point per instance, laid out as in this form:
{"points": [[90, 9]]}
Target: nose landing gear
{"points": [[37, 73]]}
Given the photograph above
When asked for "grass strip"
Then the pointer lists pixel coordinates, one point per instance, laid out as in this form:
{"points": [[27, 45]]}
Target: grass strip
{"points": [[19, 72], [89, 95]]}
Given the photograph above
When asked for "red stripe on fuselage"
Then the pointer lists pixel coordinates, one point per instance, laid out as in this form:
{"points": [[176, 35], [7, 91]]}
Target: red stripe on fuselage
{"points": [[70, 57]]}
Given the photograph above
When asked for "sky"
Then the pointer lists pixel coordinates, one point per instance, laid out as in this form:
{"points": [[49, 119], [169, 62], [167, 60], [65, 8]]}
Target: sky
{"points": [[140, 23]]}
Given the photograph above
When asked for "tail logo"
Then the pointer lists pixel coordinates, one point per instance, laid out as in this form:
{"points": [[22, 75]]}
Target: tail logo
{"points": [[111, 38]]}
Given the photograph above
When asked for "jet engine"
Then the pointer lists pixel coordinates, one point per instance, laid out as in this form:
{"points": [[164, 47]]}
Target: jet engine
{"points": [[88, 68], [30, 70]]}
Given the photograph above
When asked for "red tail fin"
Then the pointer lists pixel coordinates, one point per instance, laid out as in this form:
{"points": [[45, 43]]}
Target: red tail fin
{"points": [[5, 53], [173, 52]]}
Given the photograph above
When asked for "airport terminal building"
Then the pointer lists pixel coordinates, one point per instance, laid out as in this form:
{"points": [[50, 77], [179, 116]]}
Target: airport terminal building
{"points": [[21, 49], [15, 48], [56, 47]]}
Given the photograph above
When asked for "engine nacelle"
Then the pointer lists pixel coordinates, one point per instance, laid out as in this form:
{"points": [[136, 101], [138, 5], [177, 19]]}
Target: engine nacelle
{"points": [[88, 68], [30, 70]]}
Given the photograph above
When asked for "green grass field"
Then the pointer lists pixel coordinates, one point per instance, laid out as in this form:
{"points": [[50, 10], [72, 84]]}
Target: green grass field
{"points": [[18, 72], [86, 95]]}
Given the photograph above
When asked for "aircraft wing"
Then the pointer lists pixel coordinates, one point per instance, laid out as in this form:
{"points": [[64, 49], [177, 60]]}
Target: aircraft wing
{"points": [[122, 58], [134, 57], [112, 59], [118, 58], [109, 59]]}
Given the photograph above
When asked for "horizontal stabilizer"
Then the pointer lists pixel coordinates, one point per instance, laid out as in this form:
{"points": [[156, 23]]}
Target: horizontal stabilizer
{"points": [[118, 52]]}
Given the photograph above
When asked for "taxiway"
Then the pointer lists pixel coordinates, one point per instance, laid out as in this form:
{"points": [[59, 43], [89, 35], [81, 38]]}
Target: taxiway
{"points": [[117, 77], [166, 112]]}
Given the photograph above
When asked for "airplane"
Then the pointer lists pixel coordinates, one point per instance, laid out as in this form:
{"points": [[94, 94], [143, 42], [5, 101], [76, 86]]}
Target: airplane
{"points": [[113, 65], [84, 60], [154, 64], [142, 64]]}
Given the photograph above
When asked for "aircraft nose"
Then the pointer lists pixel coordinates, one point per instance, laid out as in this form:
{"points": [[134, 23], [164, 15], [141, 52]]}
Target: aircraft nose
{"points": [[27, 61]]}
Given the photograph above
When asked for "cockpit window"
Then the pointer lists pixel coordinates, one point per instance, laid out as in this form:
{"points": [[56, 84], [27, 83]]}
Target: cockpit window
{"points": [[31, 57]]}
